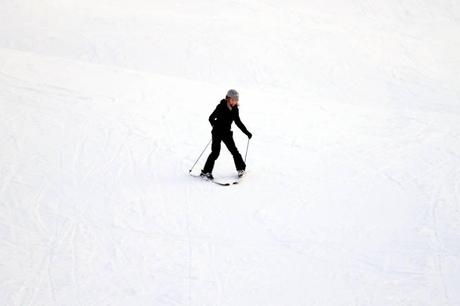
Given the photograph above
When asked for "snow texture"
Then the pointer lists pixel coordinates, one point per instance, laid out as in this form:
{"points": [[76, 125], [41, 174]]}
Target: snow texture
{"points": [[352, 195]]}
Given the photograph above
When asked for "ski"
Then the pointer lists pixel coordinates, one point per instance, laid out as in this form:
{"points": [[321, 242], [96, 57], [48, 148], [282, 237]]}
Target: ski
{"points": [[236, 181], [219, 183], [212, 181]]}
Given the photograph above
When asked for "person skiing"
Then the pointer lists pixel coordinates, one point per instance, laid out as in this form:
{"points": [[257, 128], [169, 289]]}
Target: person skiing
{"points": [[221, 120]]}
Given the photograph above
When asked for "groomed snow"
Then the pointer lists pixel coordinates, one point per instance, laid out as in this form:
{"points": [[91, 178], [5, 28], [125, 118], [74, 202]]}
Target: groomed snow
{"points": [[352, 195]]}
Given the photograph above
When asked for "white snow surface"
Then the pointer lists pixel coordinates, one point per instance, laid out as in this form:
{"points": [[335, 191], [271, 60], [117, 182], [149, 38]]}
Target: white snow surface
{"points": [[352, 195]]}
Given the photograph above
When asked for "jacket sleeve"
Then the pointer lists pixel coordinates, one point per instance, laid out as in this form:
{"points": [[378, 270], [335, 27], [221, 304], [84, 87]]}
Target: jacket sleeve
{"points": [[239, 123], [213, 116]]}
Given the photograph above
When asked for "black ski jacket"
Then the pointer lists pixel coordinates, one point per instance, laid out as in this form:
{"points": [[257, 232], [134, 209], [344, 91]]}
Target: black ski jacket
{"points": [[222, 117]]}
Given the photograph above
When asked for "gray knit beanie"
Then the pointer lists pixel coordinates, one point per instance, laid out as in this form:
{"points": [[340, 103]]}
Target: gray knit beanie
{"points": [[232, 93]]}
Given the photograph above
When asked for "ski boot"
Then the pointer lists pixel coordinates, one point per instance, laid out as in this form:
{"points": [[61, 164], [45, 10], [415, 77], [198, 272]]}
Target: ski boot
{"points": [[207, 175]]}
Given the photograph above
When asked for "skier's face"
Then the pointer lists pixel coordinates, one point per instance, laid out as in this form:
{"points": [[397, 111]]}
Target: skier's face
{"points": [[233, 102]]}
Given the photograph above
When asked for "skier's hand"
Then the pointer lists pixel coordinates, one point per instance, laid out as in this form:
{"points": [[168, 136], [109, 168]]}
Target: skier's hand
{"points": [[249, 135]]}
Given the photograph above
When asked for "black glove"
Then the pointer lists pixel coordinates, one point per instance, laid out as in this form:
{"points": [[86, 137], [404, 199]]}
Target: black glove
{"points": [[249, 135]]}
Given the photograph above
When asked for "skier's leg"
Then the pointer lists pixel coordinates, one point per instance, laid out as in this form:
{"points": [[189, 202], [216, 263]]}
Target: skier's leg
{"points": [[215, 150], [230, 143]]}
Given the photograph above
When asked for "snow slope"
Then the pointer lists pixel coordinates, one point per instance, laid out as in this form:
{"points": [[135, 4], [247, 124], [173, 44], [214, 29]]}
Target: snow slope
{"points": [[352, 195]]}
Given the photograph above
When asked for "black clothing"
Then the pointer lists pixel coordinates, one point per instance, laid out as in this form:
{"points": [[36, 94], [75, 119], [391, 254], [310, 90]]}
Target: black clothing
{"points": [[221, 120], [215, 147], [222, 117]]}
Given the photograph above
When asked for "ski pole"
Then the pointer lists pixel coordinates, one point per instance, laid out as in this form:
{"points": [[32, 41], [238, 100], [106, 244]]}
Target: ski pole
{"points": [[245, 155], [200, 155]]}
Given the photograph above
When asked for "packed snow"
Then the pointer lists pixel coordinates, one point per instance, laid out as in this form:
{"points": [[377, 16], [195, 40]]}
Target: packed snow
{"points": [[352, 192]]}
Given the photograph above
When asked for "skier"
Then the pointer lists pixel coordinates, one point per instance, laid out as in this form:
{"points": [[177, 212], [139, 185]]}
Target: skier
{"points": [[221, 120]]}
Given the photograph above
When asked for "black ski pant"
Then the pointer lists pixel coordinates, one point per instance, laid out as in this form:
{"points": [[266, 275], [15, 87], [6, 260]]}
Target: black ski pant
{"points": [[227, 139]]}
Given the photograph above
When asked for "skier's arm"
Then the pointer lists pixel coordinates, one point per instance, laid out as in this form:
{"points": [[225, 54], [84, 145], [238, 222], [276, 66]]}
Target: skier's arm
{"points": [[241, 125], [213, 116]]}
